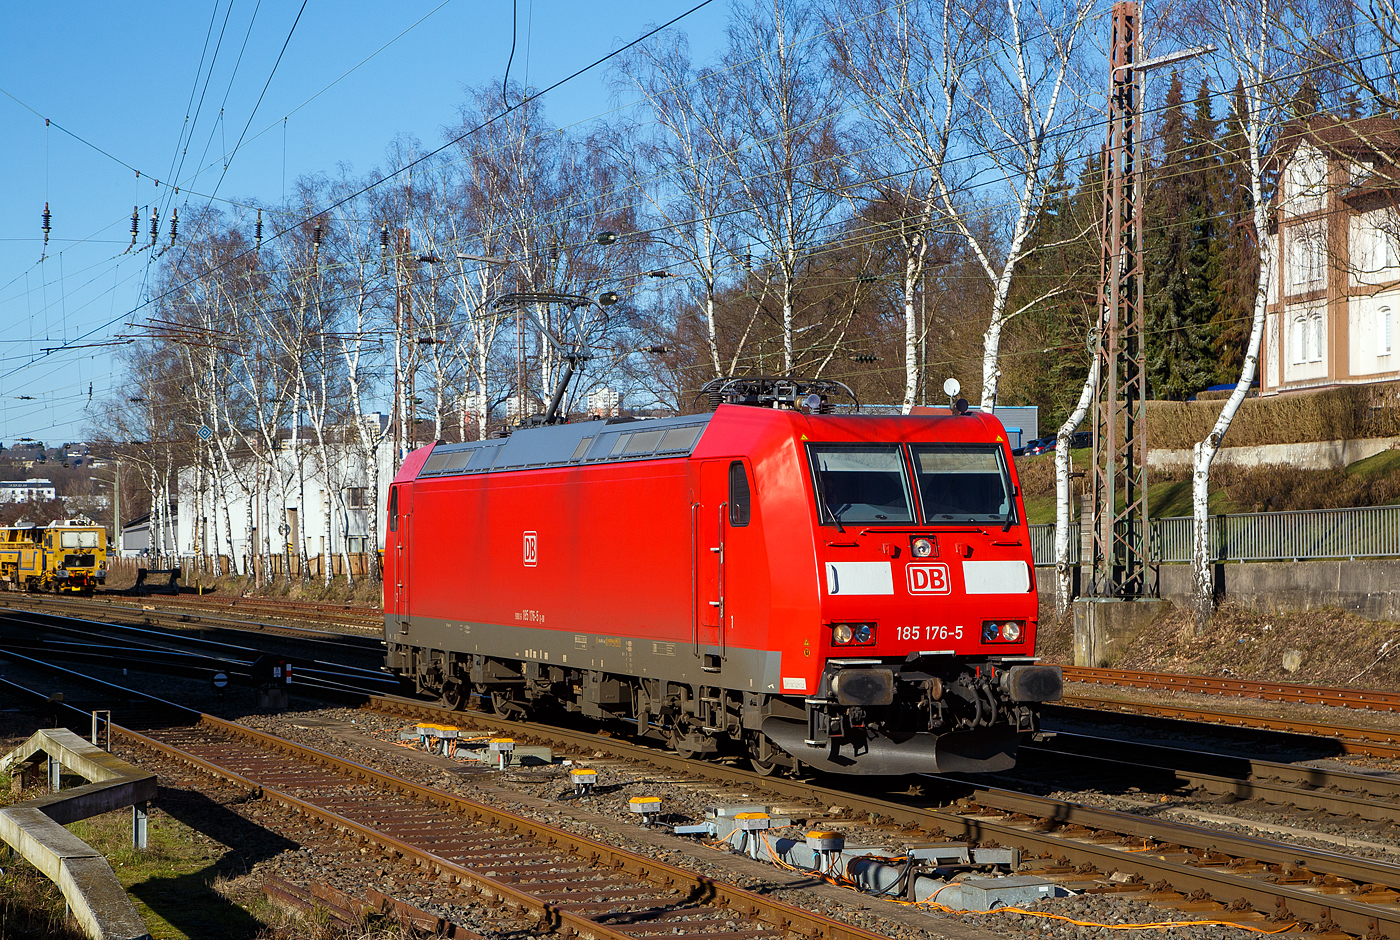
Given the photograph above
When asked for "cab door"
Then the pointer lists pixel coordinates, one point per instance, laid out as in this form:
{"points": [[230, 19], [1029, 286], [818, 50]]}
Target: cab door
{"points": [[720, 521], [400, 533], [708, 506]]}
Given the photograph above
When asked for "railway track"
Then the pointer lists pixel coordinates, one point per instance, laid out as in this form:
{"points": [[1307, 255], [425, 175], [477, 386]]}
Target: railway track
{"points": [[1246, 688], [338, 666], [177, 623], [1348, 739], [570, 883], [1169, 863], [1340, 793], [217, 611], [1200, 869]]}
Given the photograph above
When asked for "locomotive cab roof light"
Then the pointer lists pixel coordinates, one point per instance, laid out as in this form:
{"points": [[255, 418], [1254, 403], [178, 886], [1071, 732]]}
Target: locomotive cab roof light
{"points": [[956, 405]]}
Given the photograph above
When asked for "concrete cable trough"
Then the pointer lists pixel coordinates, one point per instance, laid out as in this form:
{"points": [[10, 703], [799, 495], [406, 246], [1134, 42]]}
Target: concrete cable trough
{"points": [[34, 828]]}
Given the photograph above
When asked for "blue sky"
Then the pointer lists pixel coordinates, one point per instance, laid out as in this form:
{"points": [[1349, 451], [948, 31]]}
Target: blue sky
{"points": [[122, 77]]}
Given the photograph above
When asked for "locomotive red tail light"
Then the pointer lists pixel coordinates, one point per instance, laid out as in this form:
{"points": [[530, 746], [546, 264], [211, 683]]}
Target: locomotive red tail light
{"points": [[852, 634], [1003, 631]]}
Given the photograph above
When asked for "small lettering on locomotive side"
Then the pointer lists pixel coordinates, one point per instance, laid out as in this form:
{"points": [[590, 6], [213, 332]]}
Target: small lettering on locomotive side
{"points": [[530, 616]]}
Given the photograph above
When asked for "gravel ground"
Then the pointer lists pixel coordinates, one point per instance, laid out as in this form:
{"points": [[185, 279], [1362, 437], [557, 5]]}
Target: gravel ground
{"points": [[267, 841], [544, 793]]}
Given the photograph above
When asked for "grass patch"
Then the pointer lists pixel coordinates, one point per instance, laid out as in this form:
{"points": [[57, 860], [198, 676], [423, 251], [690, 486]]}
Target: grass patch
{"points": [[1384, 464], [172, 881]]}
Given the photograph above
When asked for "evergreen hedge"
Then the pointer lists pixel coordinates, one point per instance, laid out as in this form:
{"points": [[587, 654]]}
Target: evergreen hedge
{"points": [[1351, 411]]}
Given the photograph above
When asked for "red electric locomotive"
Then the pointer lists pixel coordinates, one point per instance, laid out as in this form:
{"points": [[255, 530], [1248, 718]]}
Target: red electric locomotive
{"points": [[850, 592]]}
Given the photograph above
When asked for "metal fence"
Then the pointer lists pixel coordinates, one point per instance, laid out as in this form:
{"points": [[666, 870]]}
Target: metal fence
{"points": [[1365, 532]]}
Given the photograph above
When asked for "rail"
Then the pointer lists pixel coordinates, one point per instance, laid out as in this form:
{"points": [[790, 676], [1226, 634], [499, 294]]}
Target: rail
{"points": [[1298, 535]]}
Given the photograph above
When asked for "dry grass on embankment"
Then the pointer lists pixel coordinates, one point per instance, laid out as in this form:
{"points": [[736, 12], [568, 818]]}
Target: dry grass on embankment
{"points": [[1338, 647]]}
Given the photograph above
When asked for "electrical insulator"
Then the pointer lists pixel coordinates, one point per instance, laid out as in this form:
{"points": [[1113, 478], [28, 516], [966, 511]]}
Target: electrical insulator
{"points": [[48, 217], [155, 225], [257, 231], [135, 226], [316, 234], [174, 225], [384, 244]]}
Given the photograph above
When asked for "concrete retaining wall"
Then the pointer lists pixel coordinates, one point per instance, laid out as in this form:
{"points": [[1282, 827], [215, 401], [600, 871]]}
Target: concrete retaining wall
{"points": [[1369, 588], [1313, 455]]}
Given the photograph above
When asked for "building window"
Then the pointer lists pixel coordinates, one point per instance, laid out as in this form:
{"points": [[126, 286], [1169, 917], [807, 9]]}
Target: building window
{"points": [[1384, 329], [1315, 347], [1299, 330], [1307, 179], [356, 497], [1306, 257]]}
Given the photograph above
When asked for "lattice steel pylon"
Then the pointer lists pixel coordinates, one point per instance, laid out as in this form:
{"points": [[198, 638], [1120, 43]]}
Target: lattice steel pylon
{"points": [[1119, 515]]}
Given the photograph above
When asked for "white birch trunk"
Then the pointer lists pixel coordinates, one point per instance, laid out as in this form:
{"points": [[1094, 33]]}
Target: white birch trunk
{"points": [[1064, 514], [1253, 69]]}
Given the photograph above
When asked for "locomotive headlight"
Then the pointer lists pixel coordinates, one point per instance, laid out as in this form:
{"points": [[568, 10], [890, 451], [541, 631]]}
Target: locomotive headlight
{"points": [[864, 633], [841, 634], [1002, 631], [922, 547]]}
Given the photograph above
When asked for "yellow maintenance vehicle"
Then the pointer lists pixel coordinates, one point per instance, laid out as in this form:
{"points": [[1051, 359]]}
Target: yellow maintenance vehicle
{"points": [[65, 557]]}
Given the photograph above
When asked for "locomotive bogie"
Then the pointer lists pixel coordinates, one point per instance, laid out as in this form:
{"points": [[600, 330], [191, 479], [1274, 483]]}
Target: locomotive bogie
{"points": [[845, 592]]}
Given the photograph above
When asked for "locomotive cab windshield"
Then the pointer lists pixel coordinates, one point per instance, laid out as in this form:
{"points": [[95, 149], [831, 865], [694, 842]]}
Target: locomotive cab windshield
{"points": [[956, 483], [864, 483], [963, 483]]}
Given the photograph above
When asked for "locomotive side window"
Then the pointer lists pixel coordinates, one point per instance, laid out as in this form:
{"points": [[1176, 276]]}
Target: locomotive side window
{"points": [[962, 483], [863, 483], [738, 495], [394, 509]]}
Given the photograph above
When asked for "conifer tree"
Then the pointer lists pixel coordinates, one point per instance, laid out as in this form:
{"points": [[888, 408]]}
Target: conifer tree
{"points": [[1178, 358]]}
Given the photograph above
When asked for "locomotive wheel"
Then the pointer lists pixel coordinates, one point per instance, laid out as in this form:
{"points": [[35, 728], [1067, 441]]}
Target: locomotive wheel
{"points": [[677, 738], [507, 709], [456, 694], [763, 756]]}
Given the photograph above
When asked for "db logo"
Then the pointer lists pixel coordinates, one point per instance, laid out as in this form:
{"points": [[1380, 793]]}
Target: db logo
{"points": [[928, 579], [532, 548]]}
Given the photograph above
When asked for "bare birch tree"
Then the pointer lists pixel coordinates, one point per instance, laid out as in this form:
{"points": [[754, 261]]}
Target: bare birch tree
{"points": [[979, 94], [1244, 30], [787, 162]]}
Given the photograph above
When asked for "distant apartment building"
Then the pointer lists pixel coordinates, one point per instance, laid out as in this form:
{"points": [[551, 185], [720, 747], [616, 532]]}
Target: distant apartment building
{"points": [[26, 491], [603, 402], [1334, 289]]}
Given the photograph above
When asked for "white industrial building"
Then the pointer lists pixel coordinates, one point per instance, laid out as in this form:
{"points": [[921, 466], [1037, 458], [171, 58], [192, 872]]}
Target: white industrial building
{"points": [[326, 511]]}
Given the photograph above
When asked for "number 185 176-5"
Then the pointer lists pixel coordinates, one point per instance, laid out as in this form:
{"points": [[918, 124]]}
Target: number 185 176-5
{"points": [[929, 633]]}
